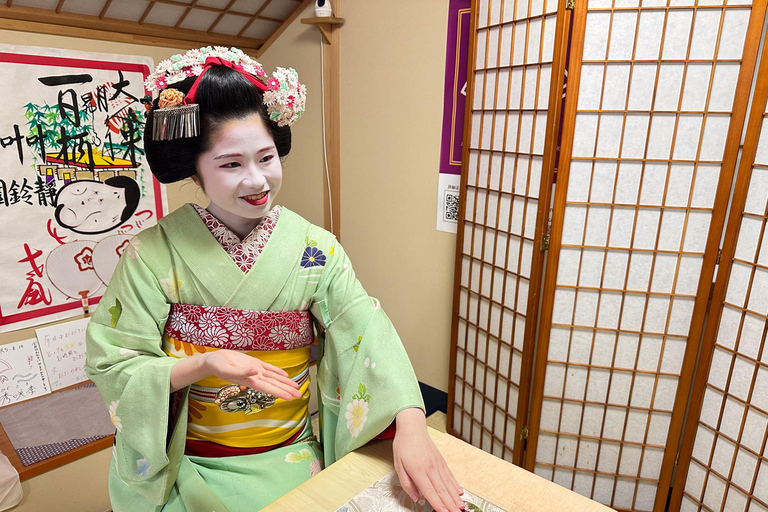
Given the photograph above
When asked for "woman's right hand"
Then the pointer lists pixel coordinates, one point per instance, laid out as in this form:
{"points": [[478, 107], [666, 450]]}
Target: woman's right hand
{"points": [[235, 367], [244, 370]]}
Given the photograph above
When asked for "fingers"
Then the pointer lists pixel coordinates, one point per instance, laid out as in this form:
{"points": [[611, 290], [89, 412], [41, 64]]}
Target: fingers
{"points": [[281, 387], [288, 385], [427, 488], [273, 389], [266, 373], [274, 369], [283, 379], [452, 486], [292, 389], [448, 496], [452, 480], [437, 486], [408, 485]]}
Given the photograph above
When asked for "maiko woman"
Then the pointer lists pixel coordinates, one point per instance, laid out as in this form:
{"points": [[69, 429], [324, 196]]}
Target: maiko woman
{"points": [[201, 344]]}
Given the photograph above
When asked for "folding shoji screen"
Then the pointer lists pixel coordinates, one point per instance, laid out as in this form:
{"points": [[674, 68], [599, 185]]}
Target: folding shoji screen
{"points": [[652, 133], [650, 139], [724, 460], [504, 207]]}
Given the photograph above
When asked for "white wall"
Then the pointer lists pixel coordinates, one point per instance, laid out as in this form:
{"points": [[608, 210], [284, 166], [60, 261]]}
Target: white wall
{"points": [[392, 72]]}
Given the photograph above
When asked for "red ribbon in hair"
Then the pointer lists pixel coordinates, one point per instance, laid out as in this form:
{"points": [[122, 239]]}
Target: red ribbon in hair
{"points": [[218, 61]]}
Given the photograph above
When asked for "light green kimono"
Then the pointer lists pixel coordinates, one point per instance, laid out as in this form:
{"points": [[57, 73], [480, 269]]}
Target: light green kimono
{"points": [[301, 267]]}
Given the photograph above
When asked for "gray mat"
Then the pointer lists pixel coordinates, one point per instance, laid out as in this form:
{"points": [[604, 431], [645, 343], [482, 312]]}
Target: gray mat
{"points": [[77, 413], [34, 454]]}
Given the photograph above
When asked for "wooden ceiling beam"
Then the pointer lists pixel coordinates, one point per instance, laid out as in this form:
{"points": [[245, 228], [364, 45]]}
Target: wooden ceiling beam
{"points": [[263, 6], [183, 37], [186, 12], [246, 27], [221, 15], [250, 22], [98, 35], [283, 25], [103, 10], [269, 18], [146, 12], [226, 10]]}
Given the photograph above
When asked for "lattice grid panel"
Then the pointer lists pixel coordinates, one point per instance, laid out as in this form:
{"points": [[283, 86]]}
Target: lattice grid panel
{"points": [[655, 97], [729, 463], [515, 43]]}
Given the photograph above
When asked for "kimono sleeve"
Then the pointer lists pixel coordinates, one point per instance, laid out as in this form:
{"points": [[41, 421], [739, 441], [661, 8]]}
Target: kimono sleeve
{"points": [[126, 361], [364, 375]]}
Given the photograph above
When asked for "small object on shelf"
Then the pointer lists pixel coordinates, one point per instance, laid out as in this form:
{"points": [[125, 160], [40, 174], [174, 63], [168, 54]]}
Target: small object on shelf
{"points": [[324, 25], [323, 8]]}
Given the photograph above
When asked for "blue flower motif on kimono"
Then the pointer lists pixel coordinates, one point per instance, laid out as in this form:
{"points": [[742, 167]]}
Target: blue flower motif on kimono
{"points": [[312, 257], [142, 465]]}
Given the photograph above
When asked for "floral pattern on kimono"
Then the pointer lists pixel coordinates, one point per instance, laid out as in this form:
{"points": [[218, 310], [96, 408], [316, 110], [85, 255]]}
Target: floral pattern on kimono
{"points": [[243, 252]]}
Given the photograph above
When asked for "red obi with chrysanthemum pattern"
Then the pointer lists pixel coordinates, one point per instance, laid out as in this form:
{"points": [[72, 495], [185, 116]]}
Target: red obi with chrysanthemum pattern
{"points": [[239, 329]]}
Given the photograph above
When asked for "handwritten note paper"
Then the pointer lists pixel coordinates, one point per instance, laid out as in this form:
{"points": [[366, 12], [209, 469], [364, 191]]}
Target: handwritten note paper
{"points": [[22, 373], [63, 347]]}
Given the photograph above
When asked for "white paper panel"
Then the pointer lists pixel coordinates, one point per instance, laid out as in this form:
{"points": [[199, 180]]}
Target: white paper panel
{"points": [[656, 91], [514, 50], [729, 457]]}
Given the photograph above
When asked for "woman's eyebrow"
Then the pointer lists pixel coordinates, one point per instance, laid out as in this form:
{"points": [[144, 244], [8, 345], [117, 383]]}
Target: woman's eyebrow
{"points": [[231, 155], [227, 155]]}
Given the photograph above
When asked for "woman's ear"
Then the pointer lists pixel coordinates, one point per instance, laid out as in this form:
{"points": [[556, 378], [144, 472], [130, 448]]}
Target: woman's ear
{"points": [[196, 180]]}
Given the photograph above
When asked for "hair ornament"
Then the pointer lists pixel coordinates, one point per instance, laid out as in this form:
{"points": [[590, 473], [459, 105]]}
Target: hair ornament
{"points": [[176, 122], [170, 98], [285, 97], [179, 116]]}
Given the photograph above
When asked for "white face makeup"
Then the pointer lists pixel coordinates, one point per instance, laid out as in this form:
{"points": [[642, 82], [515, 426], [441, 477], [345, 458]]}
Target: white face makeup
{"points": [[90, 206], [241, 173]]}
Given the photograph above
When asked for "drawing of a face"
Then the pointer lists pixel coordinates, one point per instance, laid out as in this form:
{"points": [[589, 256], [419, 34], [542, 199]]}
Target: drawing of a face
{"points": [[91, 207]]}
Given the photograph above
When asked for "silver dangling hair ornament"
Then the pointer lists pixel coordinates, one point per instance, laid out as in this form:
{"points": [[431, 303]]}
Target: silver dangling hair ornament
{"points": [[176, 122]]}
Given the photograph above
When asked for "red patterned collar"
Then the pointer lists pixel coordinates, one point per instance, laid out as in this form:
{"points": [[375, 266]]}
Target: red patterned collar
{"points": [[243, 252]]}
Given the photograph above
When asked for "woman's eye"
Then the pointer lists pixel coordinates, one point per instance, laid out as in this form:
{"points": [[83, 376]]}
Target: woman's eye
{"points": [[266, 158], [230, 165]]}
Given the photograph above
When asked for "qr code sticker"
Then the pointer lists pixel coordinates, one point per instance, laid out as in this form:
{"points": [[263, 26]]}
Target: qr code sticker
{"points": [[451, 209]]}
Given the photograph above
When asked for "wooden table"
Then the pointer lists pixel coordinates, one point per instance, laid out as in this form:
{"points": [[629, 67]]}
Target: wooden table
{"points": [[503, 484]]}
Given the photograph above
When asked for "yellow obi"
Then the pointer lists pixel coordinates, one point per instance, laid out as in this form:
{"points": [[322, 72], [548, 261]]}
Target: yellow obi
{"points": [[220, 412]]}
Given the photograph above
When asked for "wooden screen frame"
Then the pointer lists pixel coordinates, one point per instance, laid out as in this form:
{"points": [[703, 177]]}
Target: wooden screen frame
{"points": [[717, 221], [554, 108], [569, 116], [462, 212], [712, 252], [727, 253]]}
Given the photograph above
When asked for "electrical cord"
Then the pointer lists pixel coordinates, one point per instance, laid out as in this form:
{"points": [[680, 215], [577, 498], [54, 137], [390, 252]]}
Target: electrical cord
{"points": [[325, 153]]}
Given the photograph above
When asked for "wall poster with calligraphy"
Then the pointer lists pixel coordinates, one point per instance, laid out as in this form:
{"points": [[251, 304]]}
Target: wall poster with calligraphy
{"points": [[74, 184]]}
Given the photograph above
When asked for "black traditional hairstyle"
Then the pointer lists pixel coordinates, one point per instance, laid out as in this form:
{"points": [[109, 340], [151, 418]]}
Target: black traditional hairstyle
{"points": [[223, 94]]}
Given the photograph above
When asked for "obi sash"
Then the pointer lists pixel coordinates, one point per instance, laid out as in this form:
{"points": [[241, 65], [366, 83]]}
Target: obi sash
{"points": [[237, 424]]}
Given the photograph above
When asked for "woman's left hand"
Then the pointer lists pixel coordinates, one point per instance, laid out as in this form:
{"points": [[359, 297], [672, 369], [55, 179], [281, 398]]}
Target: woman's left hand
{"points": [[419, 465]]}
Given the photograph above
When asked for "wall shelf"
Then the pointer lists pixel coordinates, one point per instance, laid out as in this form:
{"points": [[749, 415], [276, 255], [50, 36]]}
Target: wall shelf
{"points": [[324, 25]]}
